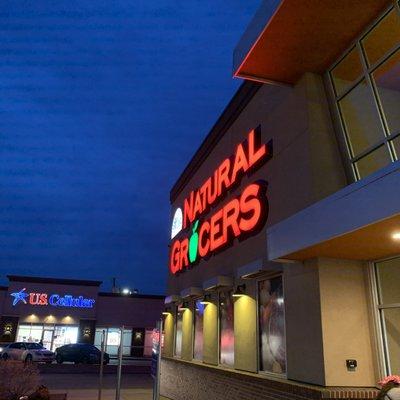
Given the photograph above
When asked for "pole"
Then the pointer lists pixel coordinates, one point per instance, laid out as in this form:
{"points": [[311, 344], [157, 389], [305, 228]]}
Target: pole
{"points": [[157, 383], [103, 335], [118, 391]]}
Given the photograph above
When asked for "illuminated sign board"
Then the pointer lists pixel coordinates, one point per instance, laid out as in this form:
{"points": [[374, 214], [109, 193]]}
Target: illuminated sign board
{"points": [[240, 217], [176, 222], [54, 300]]}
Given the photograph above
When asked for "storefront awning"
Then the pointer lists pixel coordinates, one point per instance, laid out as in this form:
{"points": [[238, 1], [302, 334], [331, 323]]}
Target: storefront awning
{"points": [[287, 38], [359, 222]]}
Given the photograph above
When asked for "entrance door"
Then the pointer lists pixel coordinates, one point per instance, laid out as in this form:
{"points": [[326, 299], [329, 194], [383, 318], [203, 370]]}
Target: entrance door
{"points": [[138, 342], [48, 338], [64, 334]]}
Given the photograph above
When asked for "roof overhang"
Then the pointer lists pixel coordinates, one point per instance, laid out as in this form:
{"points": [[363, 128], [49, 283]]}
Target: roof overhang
{"points": [[355, 223], [287, 38], [219, 281], [191, 292], [172, 299]]}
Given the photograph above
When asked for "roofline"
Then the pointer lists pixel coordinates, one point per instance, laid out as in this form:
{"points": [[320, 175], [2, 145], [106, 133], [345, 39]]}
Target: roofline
{"points": [[253, 32], [60, 281], [239, 101], [134, 295]]}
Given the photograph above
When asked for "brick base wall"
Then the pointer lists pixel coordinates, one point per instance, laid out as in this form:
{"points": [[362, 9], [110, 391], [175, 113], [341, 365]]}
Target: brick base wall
{"points": [[182, 380]]}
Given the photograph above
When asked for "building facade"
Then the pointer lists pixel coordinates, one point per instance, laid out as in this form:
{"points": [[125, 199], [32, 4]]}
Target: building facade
{"points": [[63, 311], [285, 225]]}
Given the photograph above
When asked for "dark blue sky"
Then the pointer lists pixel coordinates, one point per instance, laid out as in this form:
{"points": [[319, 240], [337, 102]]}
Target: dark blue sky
{"points": [[102, 105]]}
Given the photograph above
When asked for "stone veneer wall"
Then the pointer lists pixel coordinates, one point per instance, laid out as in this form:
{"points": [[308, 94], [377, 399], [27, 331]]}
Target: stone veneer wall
{"points": [[182, 380]]}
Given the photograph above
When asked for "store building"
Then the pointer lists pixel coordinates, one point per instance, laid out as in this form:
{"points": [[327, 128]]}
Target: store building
{"points": [[285, 240], [62, 311]]}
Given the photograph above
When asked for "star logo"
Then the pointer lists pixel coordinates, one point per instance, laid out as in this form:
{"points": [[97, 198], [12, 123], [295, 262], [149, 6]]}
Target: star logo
{"points": [[19, 296]]}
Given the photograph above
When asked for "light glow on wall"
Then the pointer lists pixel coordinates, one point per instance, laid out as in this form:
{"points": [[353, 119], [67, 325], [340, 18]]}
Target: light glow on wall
{"points": [[396, 236]]}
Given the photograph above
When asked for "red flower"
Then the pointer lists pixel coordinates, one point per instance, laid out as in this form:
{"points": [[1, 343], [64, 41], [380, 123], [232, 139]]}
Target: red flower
{"points": [[390, 378]]}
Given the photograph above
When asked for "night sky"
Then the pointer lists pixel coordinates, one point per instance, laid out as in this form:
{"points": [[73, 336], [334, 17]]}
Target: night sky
{"points": [[102, 105]]}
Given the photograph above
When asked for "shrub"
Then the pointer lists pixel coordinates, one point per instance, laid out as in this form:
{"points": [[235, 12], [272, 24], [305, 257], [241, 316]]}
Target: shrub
{"points": [[41, 393], [17, 379]]}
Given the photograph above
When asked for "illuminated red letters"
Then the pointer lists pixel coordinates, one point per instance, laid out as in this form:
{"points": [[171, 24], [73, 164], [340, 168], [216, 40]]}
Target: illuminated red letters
{"points": [[236, 218], [247, 155], [38, 299], [179, 255]]}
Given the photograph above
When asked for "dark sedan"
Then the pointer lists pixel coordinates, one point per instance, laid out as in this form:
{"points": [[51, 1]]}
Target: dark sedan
{"points": [[80, 353]]}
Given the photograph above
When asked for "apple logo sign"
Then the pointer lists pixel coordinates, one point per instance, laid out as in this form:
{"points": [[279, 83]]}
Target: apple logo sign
{"points": [[176, 222], [194, 243]]}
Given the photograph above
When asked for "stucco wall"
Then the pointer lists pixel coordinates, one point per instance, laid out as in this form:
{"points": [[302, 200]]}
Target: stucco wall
{"points": [[304, 341], [345, 324], [210, 332], [134, 312], [305, 167], [245, 326]]}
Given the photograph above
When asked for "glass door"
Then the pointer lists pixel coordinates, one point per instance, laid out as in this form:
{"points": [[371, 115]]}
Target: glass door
{"points": [[64, 334], [47, 339]]}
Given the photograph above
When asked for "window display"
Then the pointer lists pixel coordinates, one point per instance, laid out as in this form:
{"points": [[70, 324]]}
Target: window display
{"points": [[198, 331], [227, 337], [178, 337], [272, 325], [52, 336]]}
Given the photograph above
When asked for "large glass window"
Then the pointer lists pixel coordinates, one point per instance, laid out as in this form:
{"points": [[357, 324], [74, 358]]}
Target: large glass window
{"points": [[178, 332], [388, 276], [52, 336], [227, 337], [113, 340], [272, 325], [367, 92], [198, 330]]}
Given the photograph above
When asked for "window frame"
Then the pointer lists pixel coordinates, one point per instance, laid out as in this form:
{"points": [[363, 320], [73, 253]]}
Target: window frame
{"points": [[380, 338], [348, 159]]}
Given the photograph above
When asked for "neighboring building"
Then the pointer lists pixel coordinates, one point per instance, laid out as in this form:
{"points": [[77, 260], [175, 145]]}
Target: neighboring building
{"points": [[62, 311], [285, 252]]}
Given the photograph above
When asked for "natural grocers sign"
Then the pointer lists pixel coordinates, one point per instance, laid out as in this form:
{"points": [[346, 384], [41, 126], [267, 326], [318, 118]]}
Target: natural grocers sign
{"points": [[195, 237]]}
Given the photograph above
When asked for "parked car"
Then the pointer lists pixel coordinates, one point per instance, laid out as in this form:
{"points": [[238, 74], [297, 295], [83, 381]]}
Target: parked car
{"points": [[27, 352], [80, 353]]}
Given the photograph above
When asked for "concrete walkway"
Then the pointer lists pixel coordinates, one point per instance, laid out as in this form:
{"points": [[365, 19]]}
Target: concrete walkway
{"points": [[85, 386]]}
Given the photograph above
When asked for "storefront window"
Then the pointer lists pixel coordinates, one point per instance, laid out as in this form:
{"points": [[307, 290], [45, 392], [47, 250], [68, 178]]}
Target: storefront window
{"points": [[52, 336], [178, 337], [347, 72], [383, 37], [367, 92], [388, 275], [361, 118], [387, 81], [272, 326], [198, 331], [227, 337], [113, 339]]}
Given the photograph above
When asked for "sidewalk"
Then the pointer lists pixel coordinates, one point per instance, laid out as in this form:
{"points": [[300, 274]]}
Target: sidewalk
{"points": [[85, 386]]}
